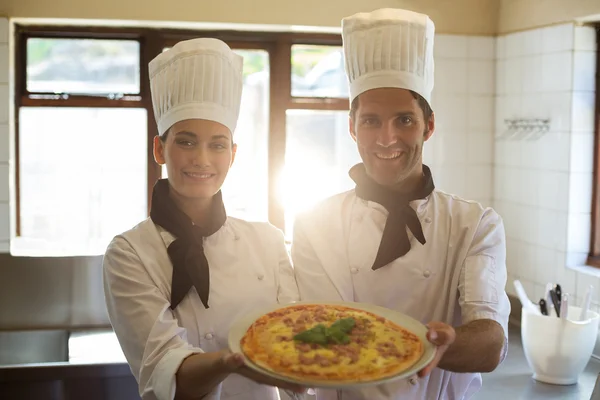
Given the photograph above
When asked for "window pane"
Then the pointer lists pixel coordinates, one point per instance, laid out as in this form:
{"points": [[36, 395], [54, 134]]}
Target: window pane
{"points": [[245, 191], [83, 66], [319, 153], [318, 71], [83, 176]]}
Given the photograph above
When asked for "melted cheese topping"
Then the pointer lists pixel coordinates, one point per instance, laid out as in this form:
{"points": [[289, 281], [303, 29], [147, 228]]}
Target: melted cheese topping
{"points": [[377, 346]]}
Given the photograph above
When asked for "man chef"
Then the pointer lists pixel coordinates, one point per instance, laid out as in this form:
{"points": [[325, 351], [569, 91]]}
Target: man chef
{"points": [[395, 240]]}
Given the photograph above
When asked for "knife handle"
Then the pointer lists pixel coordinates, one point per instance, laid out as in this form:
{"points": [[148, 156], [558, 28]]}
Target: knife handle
{"points": [[556, 302]]}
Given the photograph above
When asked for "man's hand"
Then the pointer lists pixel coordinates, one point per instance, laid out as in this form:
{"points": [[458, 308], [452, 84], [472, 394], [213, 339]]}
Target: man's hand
{"points": [[442, 335]]}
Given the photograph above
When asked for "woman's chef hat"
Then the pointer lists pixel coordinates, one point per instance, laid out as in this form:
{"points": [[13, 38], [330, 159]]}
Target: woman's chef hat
{"points": [[196, 79]]}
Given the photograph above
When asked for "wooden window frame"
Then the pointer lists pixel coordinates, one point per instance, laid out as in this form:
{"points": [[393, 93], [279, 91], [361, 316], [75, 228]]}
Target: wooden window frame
{"points": [[152, 41], [594, 254]]}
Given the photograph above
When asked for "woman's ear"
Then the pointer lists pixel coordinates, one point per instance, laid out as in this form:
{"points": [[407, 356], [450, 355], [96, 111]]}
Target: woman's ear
{"points": [[159, 150]]}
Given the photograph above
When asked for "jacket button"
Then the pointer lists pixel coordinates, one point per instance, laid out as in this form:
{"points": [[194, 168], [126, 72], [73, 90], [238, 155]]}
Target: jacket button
{"points": [[354, 270], [413, 381], [427, 274], [261, 277], [208, 336], [427, 220]]}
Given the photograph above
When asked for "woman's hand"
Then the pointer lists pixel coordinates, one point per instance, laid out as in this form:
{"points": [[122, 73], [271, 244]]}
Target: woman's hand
{"points": [[266, 380]]}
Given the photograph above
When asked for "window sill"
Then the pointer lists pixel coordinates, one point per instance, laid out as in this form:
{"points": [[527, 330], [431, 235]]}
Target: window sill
{"points": [[29, 247], [586, 270]]}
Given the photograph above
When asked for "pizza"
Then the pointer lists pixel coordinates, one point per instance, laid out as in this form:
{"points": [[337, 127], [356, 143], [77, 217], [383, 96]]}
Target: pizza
{"points": [[330, 343]]}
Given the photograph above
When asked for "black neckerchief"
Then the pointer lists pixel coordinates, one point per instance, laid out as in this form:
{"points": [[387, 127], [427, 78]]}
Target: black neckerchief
{"points": [[394, 243], [190, 266]]}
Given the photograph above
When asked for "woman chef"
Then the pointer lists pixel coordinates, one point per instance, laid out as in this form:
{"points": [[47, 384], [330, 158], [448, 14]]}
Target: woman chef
{"points": [[175, 282]]}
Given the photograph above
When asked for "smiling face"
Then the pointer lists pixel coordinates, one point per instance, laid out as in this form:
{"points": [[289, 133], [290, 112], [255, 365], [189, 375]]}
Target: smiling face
{"points": [[198, 154], [389, 127]]}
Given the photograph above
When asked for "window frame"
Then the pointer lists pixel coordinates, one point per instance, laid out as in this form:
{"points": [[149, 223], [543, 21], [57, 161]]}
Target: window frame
{"points": [[594, 253], [152, 40]]}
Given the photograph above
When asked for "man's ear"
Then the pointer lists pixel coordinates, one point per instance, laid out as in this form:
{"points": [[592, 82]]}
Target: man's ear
{"points": [[430, 127], [352, 128]]}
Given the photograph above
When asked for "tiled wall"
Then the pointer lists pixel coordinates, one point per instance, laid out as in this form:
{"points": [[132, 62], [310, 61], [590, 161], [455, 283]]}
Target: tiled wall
{"points": [[4, 139], [460, 152], [542, 187]]}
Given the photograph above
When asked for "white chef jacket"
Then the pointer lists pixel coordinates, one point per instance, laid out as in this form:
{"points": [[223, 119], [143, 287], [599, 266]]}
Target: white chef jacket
{"points": [[458, 276], [249, 268]]}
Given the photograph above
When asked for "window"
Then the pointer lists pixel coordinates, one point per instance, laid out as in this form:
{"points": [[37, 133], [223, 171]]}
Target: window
{"points": [[85, 126], [594, 255]]}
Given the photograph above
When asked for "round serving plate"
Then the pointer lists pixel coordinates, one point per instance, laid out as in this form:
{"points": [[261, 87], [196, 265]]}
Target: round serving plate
{"points": [[240, 327]]}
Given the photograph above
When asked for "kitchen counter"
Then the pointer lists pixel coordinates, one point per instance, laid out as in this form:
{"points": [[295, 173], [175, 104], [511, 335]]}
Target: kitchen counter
{"points": [[512, 379], [97, 370]]}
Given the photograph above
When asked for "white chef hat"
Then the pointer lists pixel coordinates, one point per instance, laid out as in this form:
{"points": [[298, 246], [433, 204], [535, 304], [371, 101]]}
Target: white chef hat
{"points": [[389, 48], [198, 78]]}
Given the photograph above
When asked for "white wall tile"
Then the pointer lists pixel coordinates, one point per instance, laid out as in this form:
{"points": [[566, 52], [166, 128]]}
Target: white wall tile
{"points": [[562, 229], [526, 255], [3, 63], [501, 47], [501, 85], [553, 190], [547, 234], [514, 45], [557, 38], [480, 113], [4, 144], [584, 71], [554, 152], [557, 71], [557, 107], [451, 76], [450, 46], [582, 152], [452, 179], [532, 42], [580, 192], [453, 115], [4, 222], [3, 30], [583, 111], [513, 76], [480, 148], [479, 182], [3, 104], [481, 47], [578, 239], [545, 265], [567, 278], [532, 76], [481, 77], [450, 147], [585, 38]]}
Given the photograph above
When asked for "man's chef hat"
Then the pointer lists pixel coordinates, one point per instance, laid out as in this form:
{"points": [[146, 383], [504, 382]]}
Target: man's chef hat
{"points": [[389, 48], [196, 79]]}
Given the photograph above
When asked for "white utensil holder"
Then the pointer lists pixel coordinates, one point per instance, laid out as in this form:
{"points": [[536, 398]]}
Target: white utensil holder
{"points": [[558, 350]]}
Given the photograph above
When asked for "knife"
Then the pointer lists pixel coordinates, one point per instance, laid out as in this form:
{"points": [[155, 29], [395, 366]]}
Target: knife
{"points": [[543, 307], [555, 301]]}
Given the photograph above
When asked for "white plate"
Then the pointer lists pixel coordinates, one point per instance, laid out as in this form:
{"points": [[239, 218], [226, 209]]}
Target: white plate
{"points": [[239, 328]]}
